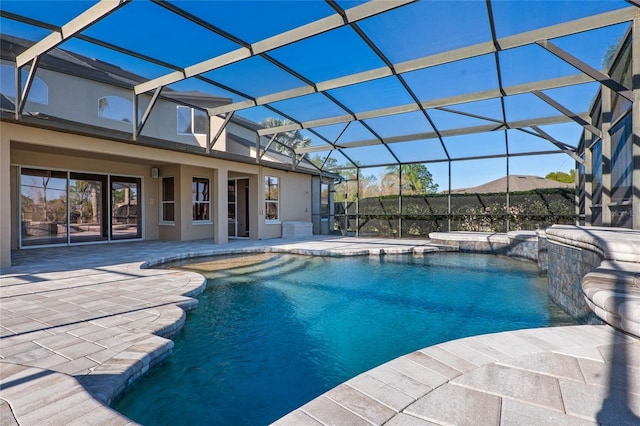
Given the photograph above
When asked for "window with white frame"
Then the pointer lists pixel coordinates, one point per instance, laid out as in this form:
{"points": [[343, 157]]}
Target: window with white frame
{"points": [[168, 200], [200, 199], [271, 195], [192, 121]]}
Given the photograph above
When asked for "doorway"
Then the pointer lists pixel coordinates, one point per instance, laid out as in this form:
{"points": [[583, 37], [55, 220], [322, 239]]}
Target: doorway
{"points": [[238, 207], [126, 222]]}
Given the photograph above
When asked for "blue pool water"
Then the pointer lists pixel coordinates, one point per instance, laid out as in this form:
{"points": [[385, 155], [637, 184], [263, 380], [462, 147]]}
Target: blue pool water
{"points": [[268, 337]]}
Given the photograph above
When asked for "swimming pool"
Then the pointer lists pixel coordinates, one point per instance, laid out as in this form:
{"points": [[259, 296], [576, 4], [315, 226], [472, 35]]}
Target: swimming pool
{"points": [[274, 331]]}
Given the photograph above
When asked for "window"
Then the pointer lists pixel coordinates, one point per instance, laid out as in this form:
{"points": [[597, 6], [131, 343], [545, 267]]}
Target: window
{"points": [[192, 121], [116, 108], [200, 198], [324, 201], [271, 198], [168, 200], [39, 92]]}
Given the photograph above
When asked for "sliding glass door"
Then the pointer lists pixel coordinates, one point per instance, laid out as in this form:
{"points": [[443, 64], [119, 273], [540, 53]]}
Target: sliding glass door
{"points": [[43, 207], [61, 207], [126, 221], [87, 207]]}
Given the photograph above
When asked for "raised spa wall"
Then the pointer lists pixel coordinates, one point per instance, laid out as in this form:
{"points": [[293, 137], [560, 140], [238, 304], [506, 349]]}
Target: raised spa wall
{"points": [[594, 273]]}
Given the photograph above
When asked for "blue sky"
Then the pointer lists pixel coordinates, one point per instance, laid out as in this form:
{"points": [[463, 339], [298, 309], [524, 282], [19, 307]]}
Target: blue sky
{"points": [[410, 32]]}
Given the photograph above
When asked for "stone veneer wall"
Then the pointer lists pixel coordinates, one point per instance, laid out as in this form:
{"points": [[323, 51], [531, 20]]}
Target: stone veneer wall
{"points": [[520, 245], [567, 266]]}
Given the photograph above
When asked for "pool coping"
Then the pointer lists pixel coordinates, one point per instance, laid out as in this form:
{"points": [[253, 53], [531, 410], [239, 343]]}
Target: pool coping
{"points": [[36, 364]]}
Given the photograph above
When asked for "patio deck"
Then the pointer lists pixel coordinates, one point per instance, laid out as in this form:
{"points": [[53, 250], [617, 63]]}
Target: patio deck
{"points": [[80, 323]]}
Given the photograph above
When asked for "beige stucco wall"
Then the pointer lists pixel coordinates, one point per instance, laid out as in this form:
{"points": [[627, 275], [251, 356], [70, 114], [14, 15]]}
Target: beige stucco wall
{"points": [[28, 146], [76, 99], [294, 202]]}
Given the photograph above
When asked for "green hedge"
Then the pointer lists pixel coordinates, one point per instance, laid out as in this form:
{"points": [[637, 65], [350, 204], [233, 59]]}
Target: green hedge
{"points": [[423, 214]]}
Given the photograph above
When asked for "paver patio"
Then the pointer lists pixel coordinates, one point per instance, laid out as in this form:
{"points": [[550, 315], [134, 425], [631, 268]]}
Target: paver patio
{"points": [[80, 323]]}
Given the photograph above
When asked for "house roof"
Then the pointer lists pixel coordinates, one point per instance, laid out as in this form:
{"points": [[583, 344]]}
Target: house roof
{"points": [[517, 183]]}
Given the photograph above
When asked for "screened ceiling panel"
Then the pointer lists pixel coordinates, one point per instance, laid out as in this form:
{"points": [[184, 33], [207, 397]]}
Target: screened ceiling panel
{"points": [[275, 16], [455, 78], [55, 12], [527, 106], [330, 158], [516, 65], [331, 132], [260, 114], [371, 95], [489, 109], [590, 45], [477, 145], [539, 165], [349, 54], [170, 44], [419, 150], [520, 142], [513, 17], [26, 31], [567, 133], [471, 26], [445, 120], [400, 124], [577, 98], [124, 61], [255, 76], [338, 69], [373, 155], [194, 84], [356, 132], [310, 107]]}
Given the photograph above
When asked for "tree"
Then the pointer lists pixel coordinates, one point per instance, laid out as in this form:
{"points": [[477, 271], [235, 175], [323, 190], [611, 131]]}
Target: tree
{"points": [[609, 54], [328, 162], [562, 176], [292, 138], [416, 179]]}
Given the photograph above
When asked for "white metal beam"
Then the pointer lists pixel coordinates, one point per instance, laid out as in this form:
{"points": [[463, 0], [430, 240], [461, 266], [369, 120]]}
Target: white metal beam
{"points": [[73, 27], [520, 124], [453, 100]]}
